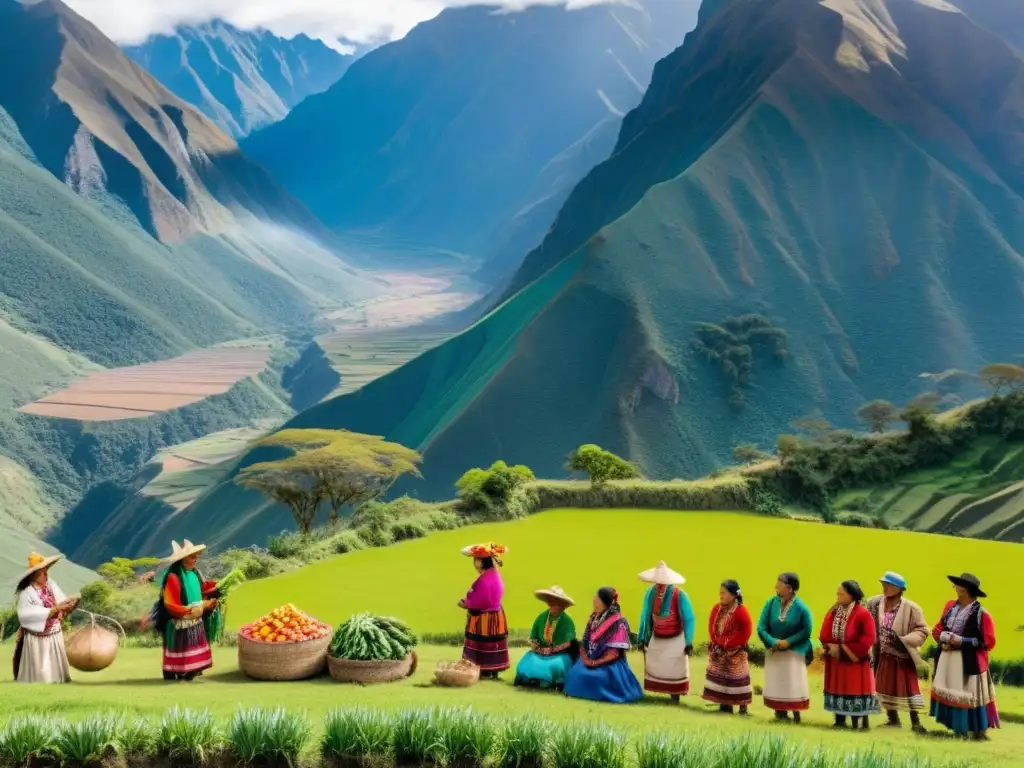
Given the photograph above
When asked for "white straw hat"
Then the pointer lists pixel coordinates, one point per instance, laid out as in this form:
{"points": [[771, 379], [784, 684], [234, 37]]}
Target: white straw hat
{"points": [[186, 549], [662, 574]]}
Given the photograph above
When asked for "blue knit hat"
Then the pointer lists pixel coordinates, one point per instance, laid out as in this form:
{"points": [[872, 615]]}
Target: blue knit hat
{"points": [[891, 577]]}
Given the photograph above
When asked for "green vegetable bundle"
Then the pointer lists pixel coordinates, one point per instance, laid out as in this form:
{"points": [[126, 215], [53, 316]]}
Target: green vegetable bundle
{"points": [[372, 638], [215, 620]]}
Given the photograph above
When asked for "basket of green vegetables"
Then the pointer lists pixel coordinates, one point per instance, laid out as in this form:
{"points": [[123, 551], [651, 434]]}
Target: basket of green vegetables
{"points": [[372, 649]]}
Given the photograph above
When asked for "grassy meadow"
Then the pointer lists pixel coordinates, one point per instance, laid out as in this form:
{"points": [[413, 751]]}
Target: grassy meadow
{"points": [[421, 581], [133, 683]]}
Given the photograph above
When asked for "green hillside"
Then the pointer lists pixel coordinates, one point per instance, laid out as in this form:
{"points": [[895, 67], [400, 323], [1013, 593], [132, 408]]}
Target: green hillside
{"points": [[583, 550]]}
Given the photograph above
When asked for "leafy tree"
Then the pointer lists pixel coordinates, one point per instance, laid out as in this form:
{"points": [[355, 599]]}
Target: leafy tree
{"points": [[335, 466], [479, 488], [878, 414], [920, 420], [815, 425], [1000, 376], [601, 465], [787, 446], [749, 453], [122, 571]]}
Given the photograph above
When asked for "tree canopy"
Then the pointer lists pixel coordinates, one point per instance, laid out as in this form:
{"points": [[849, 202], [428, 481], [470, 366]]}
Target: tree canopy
{"points": [[878, 415], [1003, 376], [601, 465], [338, 467]]}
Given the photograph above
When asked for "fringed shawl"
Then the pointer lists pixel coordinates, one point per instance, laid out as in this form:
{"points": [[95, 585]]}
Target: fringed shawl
{"points": [[606, 630]]}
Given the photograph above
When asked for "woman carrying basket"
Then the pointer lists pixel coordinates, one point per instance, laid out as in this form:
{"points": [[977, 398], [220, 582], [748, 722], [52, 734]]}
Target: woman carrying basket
{"points": [[39, 654]]}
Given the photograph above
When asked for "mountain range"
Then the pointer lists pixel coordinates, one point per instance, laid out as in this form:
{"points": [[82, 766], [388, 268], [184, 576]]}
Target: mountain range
{"points": [[812, 205], [466, 135], [241, 79]]}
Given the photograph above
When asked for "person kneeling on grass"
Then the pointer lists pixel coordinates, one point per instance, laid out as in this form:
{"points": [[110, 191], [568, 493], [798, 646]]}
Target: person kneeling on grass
{"points": [[553, 646], [602, 672]]}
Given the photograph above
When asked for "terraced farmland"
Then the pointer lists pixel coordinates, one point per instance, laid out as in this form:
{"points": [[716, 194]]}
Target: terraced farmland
{"points": [[980, 494]]}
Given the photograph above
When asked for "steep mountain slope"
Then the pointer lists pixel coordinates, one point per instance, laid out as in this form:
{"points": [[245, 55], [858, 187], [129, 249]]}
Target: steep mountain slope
{"points": [[240, 79], [92, 155], [101, 123], [824, 165], [465, 126]]}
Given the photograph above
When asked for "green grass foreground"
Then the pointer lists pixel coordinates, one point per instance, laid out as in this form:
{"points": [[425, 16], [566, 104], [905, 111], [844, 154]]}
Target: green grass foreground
{"points": [[133, 685], [421, 581]]}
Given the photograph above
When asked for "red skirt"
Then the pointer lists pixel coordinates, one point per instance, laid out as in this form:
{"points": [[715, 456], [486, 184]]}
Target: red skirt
{"points": [[486, 643], [897, 684], [188, 651], [850, 688]]}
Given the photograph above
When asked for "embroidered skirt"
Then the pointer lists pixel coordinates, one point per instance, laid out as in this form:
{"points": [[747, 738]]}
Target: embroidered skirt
{"points": [[785, 681], [963, 703], [897, 685], [613, 683], [186, 650], [42, 659], [538, 671], [486, 642], [850, 688], [727, 678], [666, 666]]}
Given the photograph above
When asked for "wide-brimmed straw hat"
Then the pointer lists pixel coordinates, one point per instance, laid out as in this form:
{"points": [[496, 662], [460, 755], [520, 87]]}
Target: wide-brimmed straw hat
{"points": [[554, 595], [970, 582], [180, 552], [36, 563], [662, 574]]}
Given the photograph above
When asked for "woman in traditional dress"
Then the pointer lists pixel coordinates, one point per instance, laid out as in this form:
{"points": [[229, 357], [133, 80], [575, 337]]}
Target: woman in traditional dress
{"points": [[847, 637], [963, 693], [602, 672], [486, 643], [901, 631], [727, 678], [39, 655], [666, 633], [785, 628], [186, 605], [553, 646]]}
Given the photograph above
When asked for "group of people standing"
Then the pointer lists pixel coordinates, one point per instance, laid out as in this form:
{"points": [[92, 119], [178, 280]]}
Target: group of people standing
{"points": [[871, 649], [182, 615]]}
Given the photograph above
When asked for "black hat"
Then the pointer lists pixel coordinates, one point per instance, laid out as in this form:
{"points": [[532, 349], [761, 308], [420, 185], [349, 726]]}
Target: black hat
{"points": [[970, 582]]}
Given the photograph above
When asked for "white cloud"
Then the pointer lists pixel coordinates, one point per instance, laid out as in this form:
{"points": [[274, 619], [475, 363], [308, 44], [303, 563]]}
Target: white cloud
{"points": [[131, 21]]}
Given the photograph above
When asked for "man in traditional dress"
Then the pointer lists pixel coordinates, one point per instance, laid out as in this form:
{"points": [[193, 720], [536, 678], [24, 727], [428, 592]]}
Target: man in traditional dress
{"points": [[896, 657], [666, 633], [39, 654]]}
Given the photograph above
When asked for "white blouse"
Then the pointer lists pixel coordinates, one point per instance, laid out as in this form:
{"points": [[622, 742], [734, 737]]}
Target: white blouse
{"points": [[32, 614]]}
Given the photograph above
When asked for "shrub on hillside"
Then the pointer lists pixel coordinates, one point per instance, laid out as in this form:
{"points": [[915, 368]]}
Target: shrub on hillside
{"points": [[767, 503], [122, 571], [347, 541], [404, 530], [856, 520], [601, 465], [487, 493], [374, 536], [255, 564], [728, 493], [285, 545], [444, 520]]}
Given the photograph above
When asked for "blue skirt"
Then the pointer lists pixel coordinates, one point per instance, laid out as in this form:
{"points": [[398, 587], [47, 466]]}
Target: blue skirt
{"points": [[543, 671], [614, 683]]}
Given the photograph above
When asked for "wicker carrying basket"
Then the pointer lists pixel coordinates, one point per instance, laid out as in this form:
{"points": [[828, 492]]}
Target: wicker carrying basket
{"points": [[283, 661], [460, 674], [92, 648], [369, 672]]}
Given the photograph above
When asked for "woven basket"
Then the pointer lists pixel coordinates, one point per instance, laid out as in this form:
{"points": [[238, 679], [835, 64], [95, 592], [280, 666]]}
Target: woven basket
{"points": [[283, 661], [461, 674], [369, 672], [92, 648]]}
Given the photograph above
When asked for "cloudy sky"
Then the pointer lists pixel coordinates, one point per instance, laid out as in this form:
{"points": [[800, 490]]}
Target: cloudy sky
{"points": [[130, 21]]}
